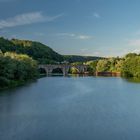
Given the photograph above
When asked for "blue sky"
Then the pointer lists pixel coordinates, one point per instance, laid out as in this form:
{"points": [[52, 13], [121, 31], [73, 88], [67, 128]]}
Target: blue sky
{"points": [[81, 27]]}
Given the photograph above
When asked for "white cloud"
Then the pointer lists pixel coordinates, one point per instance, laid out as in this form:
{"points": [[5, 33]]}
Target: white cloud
{"points": [[52, 18], [136, 51], [75, 36], [66, 34], [134, 42], [26, 18], [84, 37], [96, 15]]}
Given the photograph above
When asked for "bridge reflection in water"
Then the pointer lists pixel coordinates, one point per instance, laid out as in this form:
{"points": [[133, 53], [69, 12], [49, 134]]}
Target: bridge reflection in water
{"points": [[64, 67]]}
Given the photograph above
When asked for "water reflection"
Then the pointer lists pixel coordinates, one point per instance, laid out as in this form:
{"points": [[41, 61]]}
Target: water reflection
{"points": [[53, 108], [133, 80]]}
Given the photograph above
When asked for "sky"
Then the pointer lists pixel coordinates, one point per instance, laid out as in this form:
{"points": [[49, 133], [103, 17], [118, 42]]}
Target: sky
{"points": [[80, 27]]}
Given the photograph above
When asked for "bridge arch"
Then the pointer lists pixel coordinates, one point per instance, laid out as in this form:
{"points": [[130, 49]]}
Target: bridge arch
{"points": [[42, 70], [64, 68], [57, 71]]}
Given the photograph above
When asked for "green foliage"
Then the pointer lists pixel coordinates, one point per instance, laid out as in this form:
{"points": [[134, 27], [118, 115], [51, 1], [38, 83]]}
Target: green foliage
{"points": [[130, 55], [77, 63], [16, 68], [74, 70], [92, 66], [110, 65], [38, 51], [4, 82], [131, 66], [119, 65], [103, 65], [76, 58]]}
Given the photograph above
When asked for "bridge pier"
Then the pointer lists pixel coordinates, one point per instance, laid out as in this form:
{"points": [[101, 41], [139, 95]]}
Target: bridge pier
{"points": [[48, 71], [65, 71]]}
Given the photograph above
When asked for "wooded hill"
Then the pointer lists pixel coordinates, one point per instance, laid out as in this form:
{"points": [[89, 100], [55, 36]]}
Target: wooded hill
{"points": [[38, 51]]}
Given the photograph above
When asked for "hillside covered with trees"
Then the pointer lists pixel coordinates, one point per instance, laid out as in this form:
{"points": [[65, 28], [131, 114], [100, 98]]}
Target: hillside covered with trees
{"points": [[38, 51], [16, 69]]}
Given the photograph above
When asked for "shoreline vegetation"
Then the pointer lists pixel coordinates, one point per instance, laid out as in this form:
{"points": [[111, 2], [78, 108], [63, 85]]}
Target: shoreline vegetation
{"points": [[19, 60], [113, 74], [16, 69]]}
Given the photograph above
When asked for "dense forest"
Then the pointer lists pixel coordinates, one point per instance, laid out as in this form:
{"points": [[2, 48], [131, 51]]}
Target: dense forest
{"points": [[16, 69], [38, 51], [131, 65], [19, 61]]}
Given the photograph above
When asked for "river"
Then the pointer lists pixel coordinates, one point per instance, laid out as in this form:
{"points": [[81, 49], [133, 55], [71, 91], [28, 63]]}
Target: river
{"points": [[71, 108]]}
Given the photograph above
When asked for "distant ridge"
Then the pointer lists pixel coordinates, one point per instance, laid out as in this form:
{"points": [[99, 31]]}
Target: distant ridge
{"points": [[78, 58]]}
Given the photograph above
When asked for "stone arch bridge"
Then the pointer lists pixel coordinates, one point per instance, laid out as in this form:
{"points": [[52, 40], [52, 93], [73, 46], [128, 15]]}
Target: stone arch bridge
{"points": [[64, 67]]}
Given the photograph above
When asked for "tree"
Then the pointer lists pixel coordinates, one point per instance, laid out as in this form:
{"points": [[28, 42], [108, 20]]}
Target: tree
{"points": [[131, 66], [92, 66], [16, 68], [103, 65]]}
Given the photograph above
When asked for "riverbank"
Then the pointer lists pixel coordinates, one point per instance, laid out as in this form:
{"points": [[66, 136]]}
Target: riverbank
{"points": [[114, 74], [15, 84]]}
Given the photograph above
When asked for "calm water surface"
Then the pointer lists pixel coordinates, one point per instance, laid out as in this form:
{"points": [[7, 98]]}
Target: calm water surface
{"points": [[69, 108]]}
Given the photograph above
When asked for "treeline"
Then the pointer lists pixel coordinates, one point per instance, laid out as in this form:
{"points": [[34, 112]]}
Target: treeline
{"points": [[106, 65], [128, 66], [76, 58], [40, 52], [16, 69], [131, 65]]}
